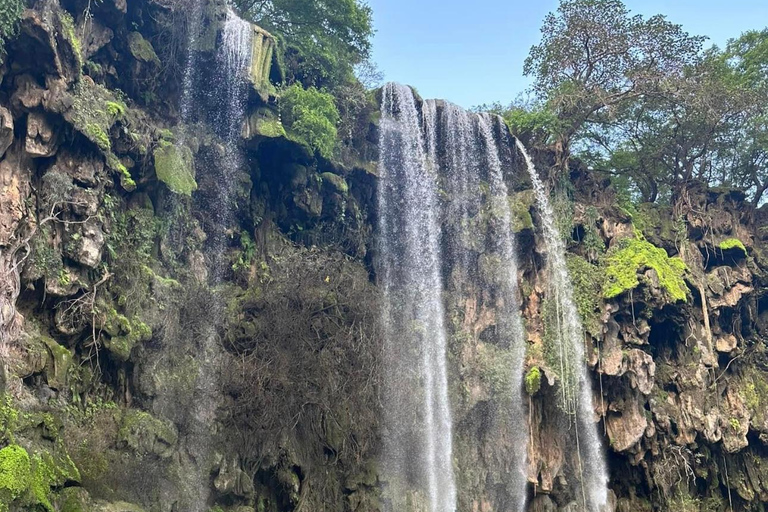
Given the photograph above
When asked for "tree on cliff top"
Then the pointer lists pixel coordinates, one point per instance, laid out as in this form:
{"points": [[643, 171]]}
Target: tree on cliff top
{"points": [[594, 56], [325, 39]]}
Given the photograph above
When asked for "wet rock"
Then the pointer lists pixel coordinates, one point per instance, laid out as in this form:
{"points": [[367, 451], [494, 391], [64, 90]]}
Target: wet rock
{"points": [[726, 343], [88, 244], [48, 33], [642, 370], [83, 168]]}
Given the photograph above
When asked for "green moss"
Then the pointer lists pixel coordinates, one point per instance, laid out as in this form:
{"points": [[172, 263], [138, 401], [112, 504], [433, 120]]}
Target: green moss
{"points": [[68, 26], [124, 334], [174, 166], [533, 380], [115, 109], [97, 134], [15, 473], [520, 206], [493, 364], [733, 243], [144, 433], [9, 418], [58, 366], [10, 14], [269, 127], [735, 424], [634, 255], [339, 183], [141, 49], [587, 282]]}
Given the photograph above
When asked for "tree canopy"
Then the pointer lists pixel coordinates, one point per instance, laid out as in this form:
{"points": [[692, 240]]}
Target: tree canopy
{"points": [[641, 99], [324, 39]]}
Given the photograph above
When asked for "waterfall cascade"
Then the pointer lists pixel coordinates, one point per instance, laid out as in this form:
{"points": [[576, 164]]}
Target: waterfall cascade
{"points": [[440, 149], [418, 441], [230, 94], [576, 397]]}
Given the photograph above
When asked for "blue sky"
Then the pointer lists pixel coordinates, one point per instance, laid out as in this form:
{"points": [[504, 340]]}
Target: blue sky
{"points": [[472, 51]]}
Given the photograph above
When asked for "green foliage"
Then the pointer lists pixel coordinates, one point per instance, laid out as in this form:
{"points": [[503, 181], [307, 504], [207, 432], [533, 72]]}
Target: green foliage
{"points": [[733, 243], [311, 117], [174, 166], [10, 14], [633, 255], [321, 40], [533, 380], [537, 121], [248, 252]]}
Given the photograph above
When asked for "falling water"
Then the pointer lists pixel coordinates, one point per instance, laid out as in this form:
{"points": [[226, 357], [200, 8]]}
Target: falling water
{"points": [[228, 92], [577, 396], [415, 343], [448, 150], [510, 321]]}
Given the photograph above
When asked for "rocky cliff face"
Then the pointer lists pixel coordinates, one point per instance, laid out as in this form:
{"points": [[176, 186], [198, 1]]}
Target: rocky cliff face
{"points": [[114, 399]]}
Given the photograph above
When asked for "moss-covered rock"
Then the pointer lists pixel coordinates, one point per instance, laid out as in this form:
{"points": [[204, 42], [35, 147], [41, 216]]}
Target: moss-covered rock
{"points": [[633, 255], [733, 244], [124, 334], [533, 380], [144, 433], [58, 364], [336, 181], [520, 205], [15, 473], [174, 166], [141, 49]]}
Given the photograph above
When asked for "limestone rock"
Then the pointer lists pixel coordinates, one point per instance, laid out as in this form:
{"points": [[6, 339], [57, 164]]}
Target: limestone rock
{"points": [[6, 130], [726, 343], [144, 433], [48, 33], [42, 136], [85, 244], [233, 480], [15, 178], [626, 425], [83, 168], [97, 36], [27, 94]]}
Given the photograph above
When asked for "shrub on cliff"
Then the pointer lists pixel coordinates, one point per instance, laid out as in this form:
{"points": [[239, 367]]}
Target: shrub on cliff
{"points": [[10, 13], [311, 117]]}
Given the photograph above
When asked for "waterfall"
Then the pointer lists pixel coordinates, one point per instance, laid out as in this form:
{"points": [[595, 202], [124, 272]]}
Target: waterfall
{"points": [[510, 322], [418, 441], [228, 92], [441, 150], [576, 390]]}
